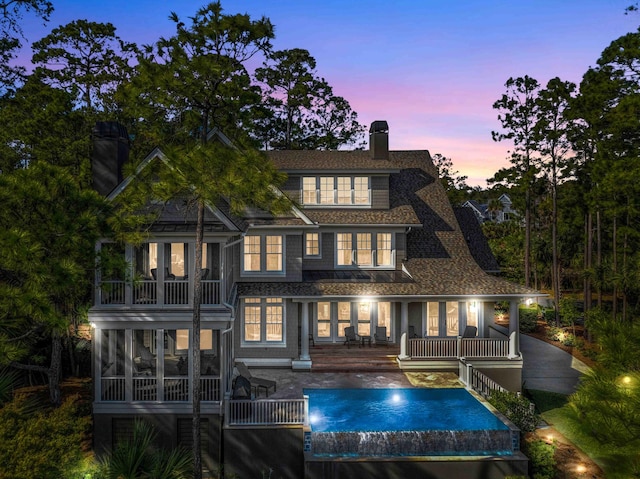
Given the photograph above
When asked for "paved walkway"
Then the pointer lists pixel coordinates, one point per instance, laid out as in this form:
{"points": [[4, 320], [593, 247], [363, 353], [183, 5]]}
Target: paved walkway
{"points": [[549, 368]]}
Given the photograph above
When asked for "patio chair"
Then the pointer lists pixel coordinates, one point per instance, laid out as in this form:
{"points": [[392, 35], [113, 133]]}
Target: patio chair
{"points": [[412, 332], [380, 335], [256, 383], [350, 336], [470, 332]]}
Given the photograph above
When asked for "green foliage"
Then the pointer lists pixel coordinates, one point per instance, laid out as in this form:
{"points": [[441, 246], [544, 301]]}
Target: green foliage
{"points": [[44, 444], [138, 459], [541, 459], [529, 318], [516, 408]]}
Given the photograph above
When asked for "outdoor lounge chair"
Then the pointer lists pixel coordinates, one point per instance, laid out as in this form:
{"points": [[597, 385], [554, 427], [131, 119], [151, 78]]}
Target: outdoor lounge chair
{"points": [[380, 335], [350, 336], [470, 332], [256, 383]]}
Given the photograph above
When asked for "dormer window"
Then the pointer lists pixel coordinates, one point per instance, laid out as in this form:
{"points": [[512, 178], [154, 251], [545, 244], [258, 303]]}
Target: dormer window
{"points": [[263, 254], [336, 190], [364, 250]]}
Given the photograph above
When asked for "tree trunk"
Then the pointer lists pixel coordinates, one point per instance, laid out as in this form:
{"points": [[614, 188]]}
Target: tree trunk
{"points": [[55, 368], [599, 255], [527, 239], [588, 267], [615, 268], [197, 299]]}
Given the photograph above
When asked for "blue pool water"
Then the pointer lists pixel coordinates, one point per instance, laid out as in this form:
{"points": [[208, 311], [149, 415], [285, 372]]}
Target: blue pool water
{"points": [[374, 410]]}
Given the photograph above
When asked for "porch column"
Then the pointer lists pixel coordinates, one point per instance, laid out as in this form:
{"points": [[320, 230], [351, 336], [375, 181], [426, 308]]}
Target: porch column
{"points": [[304, 361], [514, 330], [304, 340], [404, 329]]}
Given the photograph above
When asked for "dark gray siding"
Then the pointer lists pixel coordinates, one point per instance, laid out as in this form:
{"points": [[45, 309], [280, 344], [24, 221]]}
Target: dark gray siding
{"points": [[325, 262], [380, 192]]}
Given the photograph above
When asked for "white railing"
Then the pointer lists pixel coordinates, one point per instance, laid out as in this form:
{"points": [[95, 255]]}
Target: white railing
{"points": [[485, 348], [112, 389], [433, 348], [265, 412], [430, 348]]}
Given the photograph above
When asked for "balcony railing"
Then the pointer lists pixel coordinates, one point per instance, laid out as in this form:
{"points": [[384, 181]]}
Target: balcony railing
{"points": [[267, 412], [146, 292], [455, 348], [145, 388]]}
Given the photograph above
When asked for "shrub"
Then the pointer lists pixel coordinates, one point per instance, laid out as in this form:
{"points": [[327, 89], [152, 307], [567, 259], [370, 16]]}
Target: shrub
{"points": [[549, 315], [554, 334], [45, 444], [516, 408], [541, 459], [528, 319]]}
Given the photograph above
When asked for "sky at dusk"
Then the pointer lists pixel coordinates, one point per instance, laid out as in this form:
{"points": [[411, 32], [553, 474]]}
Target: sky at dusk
{"points": [[431, 69]]}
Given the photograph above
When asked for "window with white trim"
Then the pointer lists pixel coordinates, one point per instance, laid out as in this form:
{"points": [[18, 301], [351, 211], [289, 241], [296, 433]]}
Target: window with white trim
{"points": [[364, 250], [263, 321], [336, 190], [263, 254], [312, 244]]}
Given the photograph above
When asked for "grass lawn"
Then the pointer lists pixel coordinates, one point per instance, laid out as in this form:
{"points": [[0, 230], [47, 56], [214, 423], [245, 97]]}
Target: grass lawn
{"points": [[552, 408]]}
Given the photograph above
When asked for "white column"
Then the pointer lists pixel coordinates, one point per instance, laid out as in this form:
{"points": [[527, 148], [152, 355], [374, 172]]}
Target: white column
{"points": [[514, 330], [404, 328], [304, 331]]}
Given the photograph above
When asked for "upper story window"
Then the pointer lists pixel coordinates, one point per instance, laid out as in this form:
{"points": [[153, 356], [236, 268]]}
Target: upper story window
{"points": [[263, 253], [364, 249], [263, 321], [336, 190], [312, 244]]}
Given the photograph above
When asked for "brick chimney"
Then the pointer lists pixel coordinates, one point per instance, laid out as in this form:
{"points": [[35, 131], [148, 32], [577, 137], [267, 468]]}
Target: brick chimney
{"points": [[379, 140], [110, 152]]}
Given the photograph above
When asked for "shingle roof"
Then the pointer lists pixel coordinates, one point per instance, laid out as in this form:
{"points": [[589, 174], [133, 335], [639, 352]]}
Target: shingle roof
{"points": [[438, 260]]}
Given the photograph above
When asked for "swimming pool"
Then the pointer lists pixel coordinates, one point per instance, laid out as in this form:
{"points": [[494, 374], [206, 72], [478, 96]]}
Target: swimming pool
{"points": [[383, 422]]}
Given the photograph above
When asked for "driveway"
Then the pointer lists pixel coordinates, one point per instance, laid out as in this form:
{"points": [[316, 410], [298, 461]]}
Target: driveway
{"points": [[548, 368]]}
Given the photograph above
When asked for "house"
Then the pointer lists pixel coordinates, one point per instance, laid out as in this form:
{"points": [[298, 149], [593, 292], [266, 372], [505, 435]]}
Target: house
{"points": [[373, 243], [497, 211]]}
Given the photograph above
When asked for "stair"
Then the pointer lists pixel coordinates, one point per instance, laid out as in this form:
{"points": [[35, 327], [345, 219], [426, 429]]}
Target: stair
{"points": [[339, 358]]}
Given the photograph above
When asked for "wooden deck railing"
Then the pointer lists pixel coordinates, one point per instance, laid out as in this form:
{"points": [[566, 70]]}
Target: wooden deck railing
{"points": [[264, 412], [145, 388], [455, 348]]}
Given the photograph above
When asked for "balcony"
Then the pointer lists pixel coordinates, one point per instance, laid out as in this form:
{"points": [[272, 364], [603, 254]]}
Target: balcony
{"points": [[168, 293], [153, 389]]}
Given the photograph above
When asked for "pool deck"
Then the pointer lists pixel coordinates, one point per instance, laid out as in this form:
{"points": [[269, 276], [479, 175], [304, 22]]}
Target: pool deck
{"points": [[290, 384]]}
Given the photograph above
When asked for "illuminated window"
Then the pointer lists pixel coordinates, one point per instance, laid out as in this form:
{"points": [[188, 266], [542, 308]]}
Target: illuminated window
{"points": [[324, 319], [364, 319], [364, 250], [312, 244], [344, 249], [433, 321], [344, 190], [383, 249], [252, 253], [326, 190], [344, 317], [472, 313], [263, 253], [453, 328], [263, 320], [340, 190], [274, 253], [384, 315], [309, 191]]}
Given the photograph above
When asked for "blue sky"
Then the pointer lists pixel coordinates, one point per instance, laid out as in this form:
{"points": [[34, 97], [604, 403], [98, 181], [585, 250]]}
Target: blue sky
{"points": [[431, 69]]}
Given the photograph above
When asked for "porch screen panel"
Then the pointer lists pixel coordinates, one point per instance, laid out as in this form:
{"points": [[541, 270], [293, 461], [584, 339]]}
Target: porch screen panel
{"points": [[178, 259], [364, 319], [252, 319], [112, 352], [433, 326], [144, 357], [344, 317], [274, 319], [384, 316], [453, 328], [344, 249], [324, 319]]}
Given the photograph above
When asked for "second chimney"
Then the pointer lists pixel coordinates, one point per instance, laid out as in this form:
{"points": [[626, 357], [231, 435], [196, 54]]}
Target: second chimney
{"points": [[379, 140]]}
